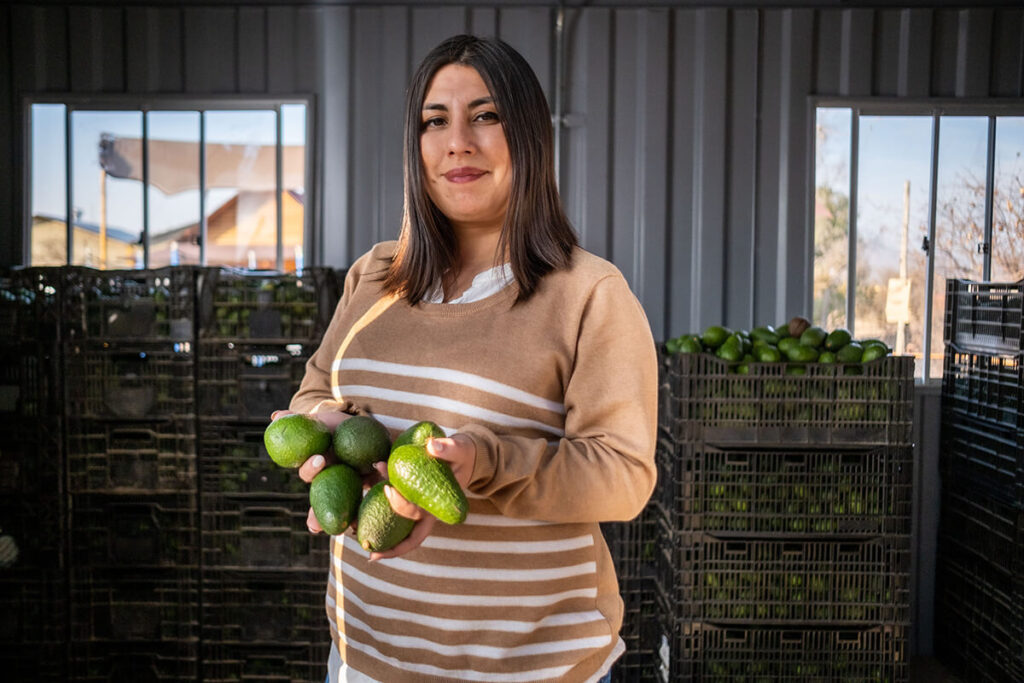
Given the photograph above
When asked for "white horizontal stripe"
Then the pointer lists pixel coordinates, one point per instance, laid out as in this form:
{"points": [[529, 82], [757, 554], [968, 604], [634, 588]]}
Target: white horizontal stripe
{"points": [[507, 547], [401, 423], [441, 571], [483, 651], [554, 672], [447, 405], [454, 376], [462, 599], [475, 519], [438, 623]]}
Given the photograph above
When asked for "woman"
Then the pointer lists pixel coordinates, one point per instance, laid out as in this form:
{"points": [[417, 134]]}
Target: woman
{"points": [[486, 318]]}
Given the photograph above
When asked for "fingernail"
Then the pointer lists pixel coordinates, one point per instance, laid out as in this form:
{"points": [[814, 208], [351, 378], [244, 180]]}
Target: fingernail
{"points": [[437, 446], [387, 490], [318, 461]]}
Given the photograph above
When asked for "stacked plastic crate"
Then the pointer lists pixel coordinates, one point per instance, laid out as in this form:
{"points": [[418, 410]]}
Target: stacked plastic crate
{"points": [[979, 584], [264, 574], [785, 498], [33, 587], [129, 365]]}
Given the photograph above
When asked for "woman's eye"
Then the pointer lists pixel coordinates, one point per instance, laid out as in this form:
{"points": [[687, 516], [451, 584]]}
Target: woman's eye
{"points": [[434, 122], [487, 116]]}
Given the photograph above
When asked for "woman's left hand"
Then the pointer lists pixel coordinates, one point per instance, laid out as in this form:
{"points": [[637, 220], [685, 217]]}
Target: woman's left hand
{"points": [[459, 452]]}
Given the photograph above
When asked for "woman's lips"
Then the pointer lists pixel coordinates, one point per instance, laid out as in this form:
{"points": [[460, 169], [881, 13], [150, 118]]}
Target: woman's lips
{"points": [[466, 174]]}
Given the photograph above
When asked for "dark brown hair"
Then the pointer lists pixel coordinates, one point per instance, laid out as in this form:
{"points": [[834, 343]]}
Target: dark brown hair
{"points": [[536, 234]]}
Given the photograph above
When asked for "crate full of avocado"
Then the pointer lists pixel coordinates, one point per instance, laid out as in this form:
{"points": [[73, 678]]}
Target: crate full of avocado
{"points": [[795, 383]]}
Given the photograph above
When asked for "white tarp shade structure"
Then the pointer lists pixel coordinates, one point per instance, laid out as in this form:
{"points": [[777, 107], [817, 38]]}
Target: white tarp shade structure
{"points": [[174, 165]]}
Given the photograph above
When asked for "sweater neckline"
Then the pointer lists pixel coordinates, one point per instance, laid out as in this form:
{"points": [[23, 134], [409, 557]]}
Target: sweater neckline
{"points": [[506, 294]]}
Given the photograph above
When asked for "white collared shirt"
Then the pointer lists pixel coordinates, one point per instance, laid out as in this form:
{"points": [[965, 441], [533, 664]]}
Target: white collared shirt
{"points": [[486, 283]]}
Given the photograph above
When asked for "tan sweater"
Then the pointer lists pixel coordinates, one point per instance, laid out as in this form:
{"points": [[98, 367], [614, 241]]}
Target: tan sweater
{"points": [[559, 393]]}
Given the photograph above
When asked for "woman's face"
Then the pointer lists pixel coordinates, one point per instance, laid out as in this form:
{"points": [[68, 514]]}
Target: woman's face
{"points": [[465, 155]]}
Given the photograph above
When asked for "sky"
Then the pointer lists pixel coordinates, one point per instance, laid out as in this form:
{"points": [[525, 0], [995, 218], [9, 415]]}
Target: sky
{"points": [[124, 197]]}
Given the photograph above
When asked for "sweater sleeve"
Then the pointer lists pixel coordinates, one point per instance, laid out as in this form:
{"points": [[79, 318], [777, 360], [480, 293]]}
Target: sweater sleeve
{"points": [[314, 394], [603, 468]]}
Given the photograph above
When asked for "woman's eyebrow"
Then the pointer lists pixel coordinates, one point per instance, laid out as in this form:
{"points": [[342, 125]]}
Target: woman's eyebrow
{"points": [[442, 107]]}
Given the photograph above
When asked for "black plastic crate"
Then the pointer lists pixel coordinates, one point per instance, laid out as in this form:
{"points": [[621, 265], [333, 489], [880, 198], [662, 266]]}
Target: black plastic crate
{"points": [[985, 527], [121, 531], [123, 305], [785, 403], [128, 604], [979, 616], [261, 531], [249, 382], [33, 606], [632, 544], [985, 316], [130, 380], [781, 493], [983, 387], [156, 456], [31, 461], [30, 305], [641, 632], [32, 532], [232, 662], [984, 457], [233, 459], [244, 305], [264, 607], [738, 581], [704, 652], [29, 380], [139, 662], [36, 662]]}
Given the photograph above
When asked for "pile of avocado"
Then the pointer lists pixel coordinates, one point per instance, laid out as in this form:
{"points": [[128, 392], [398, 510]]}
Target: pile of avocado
{"points": [[336, 493], [796, 342]]}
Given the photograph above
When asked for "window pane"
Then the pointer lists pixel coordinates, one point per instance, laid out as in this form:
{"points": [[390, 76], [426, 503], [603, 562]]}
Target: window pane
{"points": [[107, 197], [959, 213], [894, 161], [293, 123], [173, 188], [241, 211], [1008, 201], [831, 216], [49, 246]]}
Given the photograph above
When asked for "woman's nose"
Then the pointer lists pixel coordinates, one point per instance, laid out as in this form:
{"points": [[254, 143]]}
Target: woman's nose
{"points": [[460, 140]]}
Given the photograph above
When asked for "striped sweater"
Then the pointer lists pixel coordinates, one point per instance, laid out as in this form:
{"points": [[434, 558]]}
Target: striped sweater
{"points": [[559, 395]]}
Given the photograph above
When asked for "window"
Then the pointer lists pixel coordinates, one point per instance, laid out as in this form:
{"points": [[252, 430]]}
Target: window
{"points": [[168, 183], [907, 195]]}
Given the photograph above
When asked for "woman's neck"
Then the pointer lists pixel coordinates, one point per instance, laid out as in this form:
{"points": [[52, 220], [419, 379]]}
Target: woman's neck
{"points": [[477, 249]]}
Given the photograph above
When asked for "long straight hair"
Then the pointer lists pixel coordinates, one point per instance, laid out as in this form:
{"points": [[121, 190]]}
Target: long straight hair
{"points": [[536, 235]]}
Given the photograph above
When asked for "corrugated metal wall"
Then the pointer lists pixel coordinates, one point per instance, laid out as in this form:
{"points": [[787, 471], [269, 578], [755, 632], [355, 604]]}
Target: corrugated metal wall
{"points": [[686, 139], [686, 132]]}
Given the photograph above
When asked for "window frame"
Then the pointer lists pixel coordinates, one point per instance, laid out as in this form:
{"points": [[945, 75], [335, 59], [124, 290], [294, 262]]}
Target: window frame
{"points": [[157, 103], [935, 108]]}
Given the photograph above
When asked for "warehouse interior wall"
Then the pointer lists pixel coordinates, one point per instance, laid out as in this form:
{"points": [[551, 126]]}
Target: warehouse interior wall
{"points": [[685, 133]]}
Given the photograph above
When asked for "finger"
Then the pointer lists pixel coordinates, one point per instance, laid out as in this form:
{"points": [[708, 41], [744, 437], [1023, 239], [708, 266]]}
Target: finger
{"points": [[382, 469], [403, 507], [311, 523], [413, 541], [314, 466], [379, 473], [279, 413]]}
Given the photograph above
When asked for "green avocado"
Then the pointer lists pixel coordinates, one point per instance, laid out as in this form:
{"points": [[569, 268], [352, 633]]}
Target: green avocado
{"points": [[335, 495], [380, 527], [427, 482]]}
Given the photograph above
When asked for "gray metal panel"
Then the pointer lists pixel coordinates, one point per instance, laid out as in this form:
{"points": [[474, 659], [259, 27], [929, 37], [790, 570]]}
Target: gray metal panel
{"points": [[254, 45], [153, 58], [915, 55], [888, 52], [334, 141], [97, 49], [39, 49], [431, 25], [827, 52], [856, 50], [483, 21], [1007, 47], [529, 30], [945, 35], [380, 72], [973, 53], [10, 240], [292, 37], [683, 235], [584, 184], [767, 268], [742, 173], [211, 51]]}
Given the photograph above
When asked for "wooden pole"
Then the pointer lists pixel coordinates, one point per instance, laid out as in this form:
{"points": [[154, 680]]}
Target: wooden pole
{"points": [[103, 219]]}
